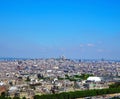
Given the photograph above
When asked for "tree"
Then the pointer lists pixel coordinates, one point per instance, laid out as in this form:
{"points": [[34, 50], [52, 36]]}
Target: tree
{"points": [[28, 79], [3, 94], [16, 97], [24, 98]]}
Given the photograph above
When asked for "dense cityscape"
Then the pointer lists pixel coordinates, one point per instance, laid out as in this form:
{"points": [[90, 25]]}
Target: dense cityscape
{"points": [[59, 49], [30, 77]]}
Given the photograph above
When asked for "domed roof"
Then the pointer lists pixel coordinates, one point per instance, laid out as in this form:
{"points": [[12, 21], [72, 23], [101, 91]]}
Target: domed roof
{"points": [[96, 79]]}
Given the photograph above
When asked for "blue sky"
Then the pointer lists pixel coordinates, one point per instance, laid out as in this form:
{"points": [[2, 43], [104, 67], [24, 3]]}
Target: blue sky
{"points": [[51, 28]]}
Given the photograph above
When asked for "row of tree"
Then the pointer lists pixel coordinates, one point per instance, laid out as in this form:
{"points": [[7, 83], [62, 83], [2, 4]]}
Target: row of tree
{"points": [[78, 94]]}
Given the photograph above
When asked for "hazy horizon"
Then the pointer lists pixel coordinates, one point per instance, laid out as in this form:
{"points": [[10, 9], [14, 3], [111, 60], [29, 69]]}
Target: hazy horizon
{"points": [[88, 29]]}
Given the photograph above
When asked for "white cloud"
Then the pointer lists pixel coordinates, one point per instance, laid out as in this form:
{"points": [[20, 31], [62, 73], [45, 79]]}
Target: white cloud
{"points": [[90, 45]]}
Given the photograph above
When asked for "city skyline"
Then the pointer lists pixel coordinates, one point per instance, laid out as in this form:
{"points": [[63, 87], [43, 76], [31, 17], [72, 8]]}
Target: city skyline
{"points": [[76, 29]]}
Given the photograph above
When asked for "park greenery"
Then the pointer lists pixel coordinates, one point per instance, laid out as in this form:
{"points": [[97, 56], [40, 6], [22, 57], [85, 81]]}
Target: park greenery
{"points": [[78, 77]]}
